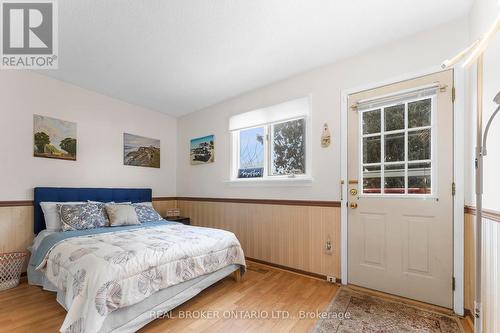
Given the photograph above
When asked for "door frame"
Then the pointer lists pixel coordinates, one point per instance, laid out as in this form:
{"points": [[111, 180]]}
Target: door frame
{"points": [[458, 174]]}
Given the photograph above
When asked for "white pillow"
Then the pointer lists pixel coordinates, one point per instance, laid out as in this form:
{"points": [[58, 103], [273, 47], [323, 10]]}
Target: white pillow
{"points": [[110, 202], [147, 203], [52, 219]]}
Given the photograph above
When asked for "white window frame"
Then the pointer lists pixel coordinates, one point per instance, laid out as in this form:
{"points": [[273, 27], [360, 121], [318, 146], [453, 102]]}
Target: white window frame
{"points": [[267, 176], [433, 160]]}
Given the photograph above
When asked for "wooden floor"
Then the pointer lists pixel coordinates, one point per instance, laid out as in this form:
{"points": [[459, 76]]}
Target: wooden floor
{"points": [[263, 290]]}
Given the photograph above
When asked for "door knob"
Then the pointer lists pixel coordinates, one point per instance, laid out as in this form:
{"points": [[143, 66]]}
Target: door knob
{"points": [[353, 205]]}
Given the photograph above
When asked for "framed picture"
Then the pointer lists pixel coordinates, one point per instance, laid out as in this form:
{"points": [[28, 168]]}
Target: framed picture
{"points": [[54, 138], [202, 150], [141, 151]]}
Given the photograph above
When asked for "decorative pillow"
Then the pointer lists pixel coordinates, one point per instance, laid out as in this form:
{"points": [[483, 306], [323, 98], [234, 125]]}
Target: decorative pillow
{"points": [[51, 214], [102, 205], [147, 203], [121, 215], [82, 216], [147, 213]]}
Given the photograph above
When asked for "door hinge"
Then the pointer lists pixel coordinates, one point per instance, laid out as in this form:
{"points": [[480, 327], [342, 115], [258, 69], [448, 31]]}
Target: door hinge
{"points": [[453, 283], [453, 188], [453, 94]]}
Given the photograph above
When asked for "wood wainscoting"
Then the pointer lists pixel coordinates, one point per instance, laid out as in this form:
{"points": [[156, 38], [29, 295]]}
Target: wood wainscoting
{"points": [[162, 204], [16, 222], [490, 266], [469, 261], [292, 234], [16, 226]]}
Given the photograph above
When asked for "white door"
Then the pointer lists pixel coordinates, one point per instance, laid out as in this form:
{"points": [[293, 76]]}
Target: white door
{"points": [[400, 169]]}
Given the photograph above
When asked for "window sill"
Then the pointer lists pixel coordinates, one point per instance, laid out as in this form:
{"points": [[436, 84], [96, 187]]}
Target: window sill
{"points": [[278, 182]]}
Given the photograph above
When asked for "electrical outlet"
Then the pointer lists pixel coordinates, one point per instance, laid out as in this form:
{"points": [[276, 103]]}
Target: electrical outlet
{"points": [[328, 247], [331, 279]]}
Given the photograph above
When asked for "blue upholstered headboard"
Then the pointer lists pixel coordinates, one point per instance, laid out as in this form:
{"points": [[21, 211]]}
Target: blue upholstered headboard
{"points": [[61, 194]]}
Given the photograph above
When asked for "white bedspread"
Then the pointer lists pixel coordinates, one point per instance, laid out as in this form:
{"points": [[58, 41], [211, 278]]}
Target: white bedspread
{"points": [[104, 272]]}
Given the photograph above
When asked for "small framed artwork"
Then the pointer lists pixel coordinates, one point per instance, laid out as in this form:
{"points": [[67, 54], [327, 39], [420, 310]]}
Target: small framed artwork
{"points": [[202, 150], [54, 138], [141, 151]]}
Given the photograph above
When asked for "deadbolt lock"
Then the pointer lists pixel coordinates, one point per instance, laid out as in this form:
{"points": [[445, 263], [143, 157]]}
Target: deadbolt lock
{"points": [[353, 205], [353, 191]]}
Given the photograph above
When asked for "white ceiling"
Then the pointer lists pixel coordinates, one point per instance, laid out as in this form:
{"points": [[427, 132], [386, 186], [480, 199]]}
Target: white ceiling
{"points": [[178, 56]]}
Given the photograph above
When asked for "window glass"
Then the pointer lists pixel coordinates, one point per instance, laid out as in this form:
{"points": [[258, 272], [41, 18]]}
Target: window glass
{"points": [[394, 179], [371, 179], [395, 147], [371, 122], [419, 145], [394, 117], [419, 178], [251, 153], [419, 113], [371, 149], [288, 154], [397, 159]]}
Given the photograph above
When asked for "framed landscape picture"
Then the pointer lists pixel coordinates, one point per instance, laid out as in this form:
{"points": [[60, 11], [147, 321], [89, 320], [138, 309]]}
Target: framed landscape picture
{"points": [[141, 151], [202, 150], [54, 138]]}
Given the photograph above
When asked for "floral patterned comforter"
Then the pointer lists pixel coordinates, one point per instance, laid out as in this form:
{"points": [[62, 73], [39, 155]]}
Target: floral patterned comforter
{"points": [[103, 272]]}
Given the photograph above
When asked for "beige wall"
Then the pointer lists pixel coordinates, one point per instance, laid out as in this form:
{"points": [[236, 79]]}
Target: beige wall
{"points": [[101, 122], [413, 54], [481, 17]]}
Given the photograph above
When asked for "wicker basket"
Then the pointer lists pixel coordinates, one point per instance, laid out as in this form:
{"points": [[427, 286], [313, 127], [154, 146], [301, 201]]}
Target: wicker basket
{"points": [[11, 265]]}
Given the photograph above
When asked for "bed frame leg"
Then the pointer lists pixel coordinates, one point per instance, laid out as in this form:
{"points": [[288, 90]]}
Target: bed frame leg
{"points": [[237, 275]]}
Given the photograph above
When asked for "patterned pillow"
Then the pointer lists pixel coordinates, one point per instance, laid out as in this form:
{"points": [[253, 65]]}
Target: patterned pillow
{"points": [[83, 216], [102, 208], [147, 213]]}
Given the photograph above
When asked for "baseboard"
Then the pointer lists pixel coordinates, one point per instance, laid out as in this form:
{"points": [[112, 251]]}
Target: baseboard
{"points": [[291, 269], [469, 316]]}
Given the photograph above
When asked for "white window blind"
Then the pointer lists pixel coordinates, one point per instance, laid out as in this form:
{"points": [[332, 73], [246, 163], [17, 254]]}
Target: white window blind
{"points": [[400, 97], [288, 110]]}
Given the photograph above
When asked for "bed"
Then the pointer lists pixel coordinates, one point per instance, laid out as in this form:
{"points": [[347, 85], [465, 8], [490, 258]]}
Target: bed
{"points": [[118, 279]]}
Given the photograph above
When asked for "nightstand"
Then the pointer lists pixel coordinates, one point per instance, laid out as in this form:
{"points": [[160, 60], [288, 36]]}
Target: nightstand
{"points": [[181, 219]]}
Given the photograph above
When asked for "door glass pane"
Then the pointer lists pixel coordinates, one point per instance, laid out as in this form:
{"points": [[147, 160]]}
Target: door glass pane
{"points": [[419, 113], [371, 149], [371, 122], [395, 147], [394, 117], [251, 153], [394, 179], [289, 148], [419, 178], [419, 145], [399, 141], [371, 179]]}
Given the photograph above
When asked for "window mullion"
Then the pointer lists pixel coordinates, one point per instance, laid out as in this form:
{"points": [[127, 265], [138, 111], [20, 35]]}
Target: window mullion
{"points": [[406, 147], [267, 151], [382, 151]]}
